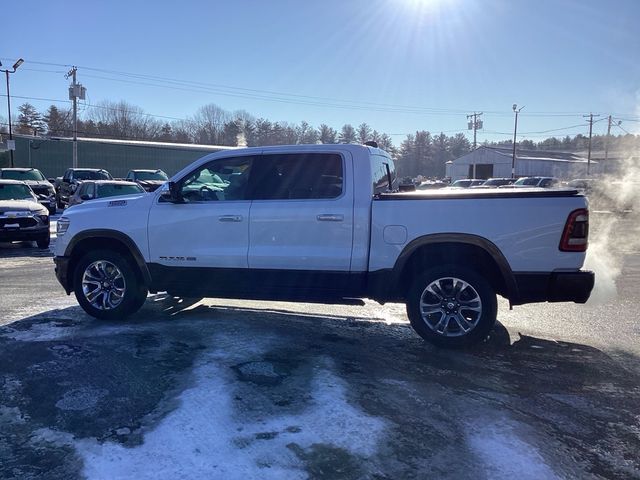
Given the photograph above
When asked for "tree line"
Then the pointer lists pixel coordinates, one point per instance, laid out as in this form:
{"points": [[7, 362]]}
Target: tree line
{"points": [[421, 153]]}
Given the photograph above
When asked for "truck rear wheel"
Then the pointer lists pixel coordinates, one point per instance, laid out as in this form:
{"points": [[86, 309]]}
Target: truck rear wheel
{"points": [[106, 285], [451, 306]]}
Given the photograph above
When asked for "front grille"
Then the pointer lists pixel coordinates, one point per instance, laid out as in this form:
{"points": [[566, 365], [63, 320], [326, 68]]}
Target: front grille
{"points": [[22, 222]]}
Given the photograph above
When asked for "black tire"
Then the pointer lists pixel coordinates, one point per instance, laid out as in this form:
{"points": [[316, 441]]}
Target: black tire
{"points": [[59, 203], [134, 289], [479, 324], [52, 210], [43, 242]]}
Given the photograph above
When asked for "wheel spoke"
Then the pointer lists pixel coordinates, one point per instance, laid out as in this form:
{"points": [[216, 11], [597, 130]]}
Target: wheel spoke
{"points": [[442, 325], [92, 295], [428, 309], [462, 322], [432, 291]]}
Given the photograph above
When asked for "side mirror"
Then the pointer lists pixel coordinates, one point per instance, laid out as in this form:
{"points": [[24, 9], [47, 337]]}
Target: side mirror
{"points": [[85, 197], [175, 193]]}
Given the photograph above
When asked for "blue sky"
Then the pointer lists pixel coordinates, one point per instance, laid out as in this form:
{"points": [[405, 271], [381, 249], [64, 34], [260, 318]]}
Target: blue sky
{"points": [[399, 65]]}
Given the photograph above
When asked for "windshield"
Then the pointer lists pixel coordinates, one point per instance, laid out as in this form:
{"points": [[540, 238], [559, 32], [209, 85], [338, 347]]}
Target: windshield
{"points": [[91, 175], [15, 192], [528, 181], [496, 182], [114, 190], [158, 175], [461, 183], [22, 175]]}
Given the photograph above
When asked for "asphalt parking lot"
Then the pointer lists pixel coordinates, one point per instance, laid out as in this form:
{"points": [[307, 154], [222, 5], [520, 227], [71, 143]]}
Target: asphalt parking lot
{"points": [[240, 389]]}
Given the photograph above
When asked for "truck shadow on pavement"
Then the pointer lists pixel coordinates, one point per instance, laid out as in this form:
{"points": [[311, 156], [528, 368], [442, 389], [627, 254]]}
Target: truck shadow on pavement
{"points": [[67, 379]]}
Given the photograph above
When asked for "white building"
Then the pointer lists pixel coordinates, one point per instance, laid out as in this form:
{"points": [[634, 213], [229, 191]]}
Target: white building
{"points": [[491, 162]]}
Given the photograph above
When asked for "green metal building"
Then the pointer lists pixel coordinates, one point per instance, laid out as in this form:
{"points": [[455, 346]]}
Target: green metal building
{"points": [[52, 156]]}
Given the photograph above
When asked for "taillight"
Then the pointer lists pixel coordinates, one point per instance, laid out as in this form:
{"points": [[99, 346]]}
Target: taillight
{"points": [[576, 232]]}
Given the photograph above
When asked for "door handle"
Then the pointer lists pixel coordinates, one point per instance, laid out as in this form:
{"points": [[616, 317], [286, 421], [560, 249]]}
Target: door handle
{"points": [[230, 218], [330, 217]]}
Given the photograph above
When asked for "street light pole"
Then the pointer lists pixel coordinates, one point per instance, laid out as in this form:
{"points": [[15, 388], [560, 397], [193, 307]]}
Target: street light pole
{"points": [[7, 72], [515, 131]]}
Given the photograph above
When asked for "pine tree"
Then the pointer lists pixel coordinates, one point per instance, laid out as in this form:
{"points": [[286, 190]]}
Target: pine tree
{"points": [[347, 134], [30, 120]]}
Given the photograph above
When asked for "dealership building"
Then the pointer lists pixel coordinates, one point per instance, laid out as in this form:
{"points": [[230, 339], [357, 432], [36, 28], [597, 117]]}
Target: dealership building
{"points": [[492, 162]]}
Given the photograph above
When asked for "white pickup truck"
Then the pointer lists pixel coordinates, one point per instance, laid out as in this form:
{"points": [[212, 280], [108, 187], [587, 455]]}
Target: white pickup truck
{"points": [[322, 223]]}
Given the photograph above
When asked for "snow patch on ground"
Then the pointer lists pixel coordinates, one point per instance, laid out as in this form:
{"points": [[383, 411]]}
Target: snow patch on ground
{"points": [[505, 455], [206, 437], [40, 332]]}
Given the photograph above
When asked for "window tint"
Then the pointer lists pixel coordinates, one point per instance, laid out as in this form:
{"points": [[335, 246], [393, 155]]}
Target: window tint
{"points": [[379, 173], [297, 176], [114, 190], [15, 191], [22, 175], [223, 179], [157, 175], [91, 175]]}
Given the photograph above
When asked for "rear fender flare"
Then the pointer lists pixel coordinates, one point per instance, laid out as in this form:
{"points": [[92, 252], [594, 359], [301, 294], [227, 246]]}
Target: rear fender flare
{"points": [[462, 239]]}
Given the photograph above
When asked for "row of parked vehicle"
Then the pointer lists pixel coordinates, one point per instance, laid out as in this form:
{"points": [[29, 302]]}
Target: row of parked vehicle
{"points": [[540, 182], [81, 184], [28, 198]]}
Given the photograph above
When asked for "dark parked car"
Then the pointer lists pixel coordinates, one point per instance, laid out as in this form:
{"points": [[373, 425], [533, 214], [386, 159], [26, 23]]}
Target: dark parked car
{"points": [[150, 180], [93, 189], [466, 183], [33, 177], [22, 218], [496, 182], [72, 178]]}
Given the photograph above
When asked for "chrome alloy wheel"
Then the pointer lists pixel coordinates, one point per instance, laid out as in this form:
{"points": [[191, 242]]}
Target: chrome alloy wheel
{"points": [[103, 285], [450, 307]]}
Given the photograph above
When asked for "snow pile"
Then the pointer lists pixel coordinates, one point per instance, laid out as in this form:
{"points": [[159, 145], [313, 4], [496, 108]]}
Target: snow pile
{"points": [[205, 438], [505, 455]]}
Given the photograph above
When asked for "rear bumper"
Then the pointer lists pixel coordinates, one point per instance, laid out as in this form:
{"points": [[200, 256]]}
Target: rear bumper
{"points": [[62, 272], [553, 287]]}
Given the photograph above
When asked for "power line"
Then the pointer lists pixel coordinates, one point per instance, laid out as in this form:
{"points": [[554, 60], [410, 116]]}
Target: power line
{"points": [[282, 97]]}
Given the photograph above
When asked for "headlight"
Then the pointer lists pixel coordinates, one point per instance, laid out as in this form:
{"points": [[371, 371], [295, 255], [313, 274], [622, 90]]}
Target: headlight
{"points": [[62, 226]]}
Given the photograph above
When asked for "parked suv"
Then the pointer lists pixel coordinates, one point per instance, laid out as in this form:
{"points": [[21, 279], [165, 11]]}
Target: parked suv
{"points": [[22, 218], [72, 178], [150, 180], [33, 177]]}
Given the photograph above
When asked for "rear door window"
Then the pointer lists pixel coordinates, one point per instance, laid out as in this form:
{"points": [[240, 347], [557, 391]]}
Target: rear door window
{"points": [[297, 176]]}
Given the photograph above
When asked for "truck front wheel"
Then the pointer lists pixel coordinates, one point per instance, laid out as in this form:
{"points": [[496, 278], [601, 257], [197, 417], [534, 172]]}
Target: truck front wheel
{"points": [[451, 306], [106, 286]]}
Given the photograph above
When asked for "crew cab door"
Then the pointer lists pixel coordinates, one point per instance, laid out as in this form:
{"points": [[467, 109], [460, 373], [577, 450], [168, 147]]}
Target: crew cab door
{"points": [[210, 229], [301, 216]]}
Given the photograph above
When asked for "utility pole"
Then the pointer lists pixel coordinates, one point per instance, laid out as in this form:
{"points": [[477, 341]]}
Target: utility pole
{"points": [[591, 115], [474, 125], [606, 142], [75, 91], [515, 131], [7, 72]]}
